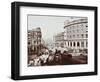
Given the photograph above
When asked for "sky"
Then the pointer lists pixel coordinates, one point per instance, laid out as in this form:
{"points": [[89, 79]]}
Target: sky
{"points": [[50, 25]]}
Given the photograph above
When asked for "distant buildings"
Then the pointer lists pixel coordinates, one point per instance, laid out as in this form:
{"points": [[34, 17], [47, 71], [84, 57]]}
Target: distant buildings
{"points": [[75, 36], [59, 40]]}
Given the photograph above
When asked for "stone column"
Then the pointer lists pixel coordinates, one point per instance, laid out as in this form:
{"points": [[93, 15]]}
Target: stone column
{"points": [[69, 44], [75, 44], [80, 44], [84, 44], [72, 45]]}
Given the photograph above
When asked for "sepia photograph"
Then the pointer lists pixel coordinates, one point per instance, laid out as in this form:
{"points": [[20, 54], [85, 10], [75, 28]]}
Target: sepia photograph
{"points": [[57, 40]]}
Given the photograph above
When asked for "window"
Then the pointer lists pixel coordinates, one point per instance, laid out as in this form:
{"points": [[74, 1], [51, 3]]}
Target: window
{"points": [[86, 31], [74, 44], [67, 31], [82, 44], [70, 43], [86, 44], [73, 36], [29, 43], [67, 36], [77, 30], [34, 41], [82, 29], [78, 44], [77, 35], [70, 36], [82, 35], [86, 35]]}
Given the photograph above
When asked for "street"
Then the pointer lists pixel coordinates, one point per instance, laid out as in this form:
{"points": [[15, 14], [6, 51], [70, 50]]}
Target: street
{"points": [[49, 59]]}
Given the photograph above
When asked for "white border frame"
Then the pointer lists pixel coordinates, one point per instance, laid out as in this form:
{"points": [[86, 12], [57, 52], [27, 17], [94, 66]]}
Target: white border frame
{"points": [[25, 71]]}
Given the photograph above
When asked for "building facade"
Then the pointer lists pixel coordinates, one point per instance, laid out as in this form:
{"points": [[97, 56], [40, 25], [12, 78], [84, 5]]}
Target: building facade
{"points": [[59, 40], [34, 40], [76, 36]]}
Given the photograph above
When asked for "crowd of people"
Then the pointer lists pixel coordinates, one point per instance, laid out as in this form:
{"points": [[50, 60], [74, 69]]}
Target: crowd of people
{"points": [[50, 57]]}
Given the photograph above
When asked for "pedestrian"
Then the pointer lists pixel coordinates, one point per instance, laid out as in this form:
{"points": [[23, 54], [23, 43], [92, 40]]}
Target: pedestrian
{"points": [[57, 57], [50, 59]]}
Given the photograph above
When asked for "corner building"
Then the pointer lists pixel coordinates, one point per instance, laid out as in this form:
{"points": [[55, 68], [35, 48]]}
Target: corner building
{"points": [[77, 35]]}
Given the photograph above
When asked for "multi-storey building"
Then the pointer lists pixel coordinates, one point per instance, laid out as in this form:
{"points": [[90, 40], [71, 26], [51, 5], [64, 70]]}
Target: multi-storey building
{"points": [[77, 34], [59, 40], [34, 40]]}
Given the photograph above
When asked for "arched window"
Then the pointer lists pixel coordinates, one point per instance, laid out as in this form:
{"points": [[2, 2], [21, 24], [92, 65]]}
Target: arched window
{"points": [[86, 35], [70, 43], [78, 44], [74, 44], [82, 35]]}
